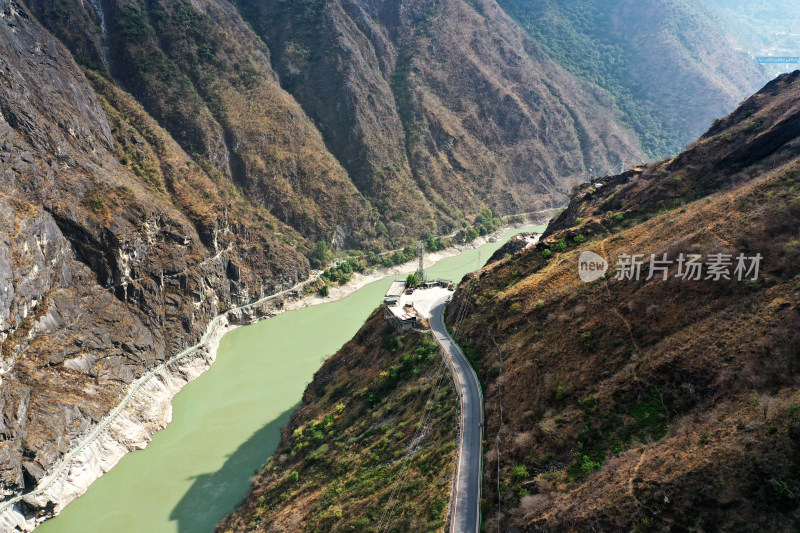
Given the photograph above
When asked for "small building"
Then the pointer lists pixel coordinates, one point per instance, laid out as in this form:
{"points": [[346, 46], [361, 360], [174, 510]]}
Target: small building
{"points": [[395, 291], [444, 283], [401, 319]]}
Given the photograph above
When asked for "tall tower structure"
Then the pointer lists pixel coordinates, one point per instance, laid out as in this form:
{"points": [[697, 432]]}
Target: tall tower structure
{"points": [[421, 266]]}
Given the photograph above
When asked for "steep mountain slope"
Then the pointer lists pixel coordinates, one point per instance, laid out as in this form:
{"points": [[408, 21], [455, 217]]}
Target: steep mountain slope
{"points": [[371, 446], [205, 77], [434, 111], [116, 250], [652, 404], [654, 58], [443, 100]]}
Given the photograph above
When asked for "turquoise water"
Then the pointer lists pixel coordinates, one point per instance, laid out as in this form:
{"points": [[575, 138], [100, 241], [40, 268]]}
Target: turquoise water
{"points": [[227, 422]]}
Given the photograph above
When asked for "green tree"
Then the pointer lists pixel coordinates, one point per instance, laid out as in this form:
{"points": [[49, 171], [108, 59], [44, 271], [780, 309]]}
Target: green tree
{"points": [[519, 472], [412, 280], [321, 254]]}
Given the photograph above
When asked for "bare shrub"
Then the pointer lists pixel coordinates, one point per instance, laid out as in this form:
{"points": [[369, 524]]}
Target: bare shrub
{"points": [[523, 441], [491, 455], [534, 504], [770, 406]]}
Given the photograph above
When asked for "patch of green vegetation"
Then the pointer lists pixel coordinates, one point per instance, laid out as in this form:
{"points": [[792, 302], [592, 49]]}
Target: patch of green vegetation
{"points": [[784, 491], [351, 461], [569, 32], [472, 355], [519, 472], [587, 342], [591, 454], [750, 126], [95, 203], [650, 419], [609, 432], [321, 255]]}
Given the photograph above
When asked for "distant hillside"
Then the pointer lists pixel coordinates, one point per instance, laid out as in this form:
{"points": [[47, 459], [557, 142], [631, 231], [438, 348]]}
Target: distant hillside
{"points": [[668, 65], [645, 404], [763, 28]]}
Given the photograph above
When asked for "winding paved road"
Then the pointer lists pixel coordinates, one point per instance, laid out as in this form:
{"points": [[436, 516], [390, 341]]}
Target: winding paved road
{"points": [[467, 496]]}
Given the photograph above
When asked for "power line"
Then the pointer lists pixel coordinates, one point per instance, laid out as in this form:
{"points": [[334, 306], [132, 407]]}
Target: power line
{"points": [[417, 435]]}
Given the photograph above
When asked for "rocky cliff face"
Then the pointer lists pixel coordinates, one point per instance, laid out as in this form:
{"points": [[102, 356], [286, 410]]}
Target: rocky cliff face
{"points": [[103, 272], [200, 72]]}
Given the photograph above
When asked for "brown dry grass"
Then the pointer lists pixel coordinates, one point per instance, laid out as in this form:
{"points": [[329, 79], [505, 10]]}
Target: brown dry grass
{"points": [[677, 398]]}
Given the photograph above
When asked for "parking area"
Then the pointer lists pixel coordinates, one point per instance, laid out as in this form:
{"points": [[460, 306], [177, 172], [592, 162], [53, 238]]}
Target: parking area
{"points": [[424, 300]]}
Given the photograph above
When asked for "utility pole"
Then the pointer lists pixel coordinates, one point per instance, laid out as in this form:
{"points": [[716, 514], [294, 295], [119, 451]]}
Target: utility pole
{"points": [[421, 267]]}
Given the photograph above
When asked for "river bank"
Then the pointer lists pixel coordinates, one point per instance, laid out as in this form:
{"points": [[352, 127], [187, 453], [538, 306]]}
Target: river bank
{"points": [[149, 408], [145, 409], [360, 280]]}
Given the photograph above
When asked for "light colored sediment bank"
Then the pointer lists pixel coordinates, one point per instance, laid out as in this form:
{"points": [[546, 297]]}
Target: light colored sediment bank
{"points": [[145, 408]]}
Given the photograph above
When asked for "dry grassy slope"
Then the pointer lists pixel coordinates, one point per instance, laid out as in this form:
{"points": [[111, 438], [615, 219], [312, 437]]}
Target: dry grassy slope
{"points": [[206, 78], [434, 109], [444, 103], [373, 443], [108, 261], [654, 405]]}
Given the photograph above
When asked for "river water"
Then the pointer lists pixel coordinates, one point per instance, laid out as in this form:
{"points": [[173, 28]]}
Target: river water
{"points": [[227, 422]]}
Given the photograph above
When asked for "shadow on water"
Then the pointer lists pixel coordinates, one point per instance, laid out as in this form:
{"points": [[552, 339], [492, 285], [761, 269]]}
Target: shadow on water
{"points": [[215, 494]]}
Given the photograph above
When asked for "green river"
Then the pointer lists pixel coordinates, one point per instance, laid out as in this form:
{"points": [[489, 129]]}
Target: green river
{"points": [[227, 422]]}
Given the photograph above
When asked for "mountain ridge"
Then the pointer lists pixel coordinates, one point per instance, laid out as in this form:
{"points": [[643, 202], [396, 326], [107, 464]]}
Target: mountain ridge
{"points": [[603, 383]]}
